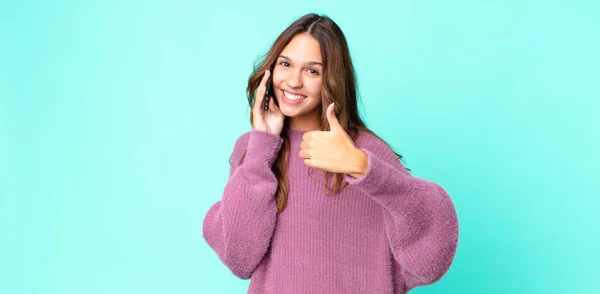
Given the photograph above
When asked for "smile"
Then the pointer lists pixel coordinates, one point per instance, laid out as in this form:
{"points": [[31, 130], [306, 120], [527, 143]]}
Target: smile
{"points": [[292, 98]]}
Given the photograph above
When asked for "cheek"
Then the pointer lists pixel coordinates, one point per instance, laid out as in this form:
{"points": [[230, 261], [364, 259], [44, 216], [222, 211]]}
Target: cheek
{"points": [[278, 78], [314, 88]]}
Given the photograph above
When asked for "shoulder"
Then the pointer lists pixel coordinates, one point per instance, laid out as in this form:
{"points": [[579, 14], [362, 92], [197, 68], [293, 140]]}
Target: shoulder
{"points": [[371, 142], [367, 141], [240, 146], [242, 141]]}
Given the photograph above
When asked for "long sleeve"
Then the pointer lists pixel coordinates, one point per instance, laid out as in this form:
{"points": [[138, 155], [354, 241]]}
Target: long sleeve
{"points": [[419, 216], [239, 227]]}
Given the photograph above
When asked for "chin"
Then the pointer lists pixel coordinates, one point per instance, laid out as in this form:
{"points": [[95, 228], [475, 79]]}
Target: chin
{"points": [[288, 113]]}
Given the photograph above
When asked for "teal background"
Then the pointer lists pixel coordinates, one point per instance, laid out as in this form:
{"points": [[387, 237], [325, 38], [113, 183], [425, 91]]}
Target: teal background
{"points": [[117, 119]]}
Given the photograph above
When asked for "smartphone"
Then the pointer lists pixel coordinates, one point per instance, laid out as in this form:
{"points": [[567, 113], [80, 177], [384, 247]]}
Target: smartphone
{"points": [[268, 92]]}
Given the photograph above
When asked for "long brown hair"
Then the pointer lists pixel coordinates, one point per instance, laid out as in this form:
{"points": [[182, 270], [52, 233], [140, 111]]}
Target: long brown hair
{"points": [[339, 86]]}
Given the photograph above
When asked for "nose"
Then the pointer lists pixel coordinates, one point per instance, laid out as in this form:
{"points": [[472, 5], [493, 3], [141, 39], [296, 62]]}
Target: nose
{"points": [[294, 80]]}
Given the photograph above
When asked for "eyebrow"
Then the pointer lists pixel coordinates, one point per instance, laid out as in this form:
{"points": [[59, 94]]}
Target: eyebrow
{"points": [[309, 63]]}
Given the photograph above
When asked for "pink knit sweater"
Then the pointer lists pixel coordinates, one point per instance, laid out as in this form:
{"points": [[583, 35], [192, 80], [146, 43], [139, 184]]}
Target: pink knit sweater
{"points": [[387, 232]]}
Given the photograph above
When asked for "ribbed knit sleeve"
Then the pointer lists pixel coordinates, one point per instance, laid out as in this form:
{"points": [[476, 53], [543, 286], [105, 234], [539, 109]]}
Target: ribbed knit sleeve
{"points": [[420, 218], [239, 227]]}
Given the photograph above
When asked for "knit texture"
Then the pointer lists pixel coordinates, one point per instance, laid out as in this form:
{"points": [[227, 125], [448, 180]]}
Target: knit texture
{"points": [[387, 232]]}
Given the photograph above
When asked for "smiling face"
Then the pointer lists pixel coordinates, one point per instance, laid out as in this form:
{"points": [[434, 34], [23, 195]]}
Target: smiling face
{"points": [[297, 80]]}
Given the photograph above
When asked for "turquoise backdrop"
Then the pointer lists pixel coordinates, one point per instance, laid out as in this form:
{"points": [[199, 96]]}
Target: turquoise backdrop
{"points": [[117, 119]]}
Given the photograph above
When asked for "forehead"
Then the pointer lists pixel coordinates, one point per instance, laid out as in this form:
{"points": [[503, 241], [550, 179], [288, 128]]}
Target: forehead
{"points": [[303, 48]]}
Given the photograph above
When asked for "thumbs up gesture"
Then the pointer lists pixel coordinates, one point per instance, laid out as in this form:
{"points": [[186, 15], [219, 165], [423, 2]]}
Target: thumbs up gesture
{"points": [[333, 151]]}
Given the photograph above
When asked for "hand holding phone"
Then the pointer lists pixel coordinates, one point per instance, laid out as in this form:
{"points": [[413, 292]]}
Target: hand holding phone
{"points": [[267, 117]]}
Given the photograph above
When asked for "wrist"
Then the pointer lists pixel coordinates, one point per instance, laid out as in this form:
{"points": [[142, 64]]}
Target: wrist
{"points": [[270, 132], [263, 146], [360, 164]]}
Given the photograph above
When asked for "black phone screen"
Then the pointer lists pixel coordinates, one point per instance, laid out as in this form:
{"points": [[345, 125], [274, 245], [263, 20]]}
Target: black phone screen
{"points": [[269, 92]]}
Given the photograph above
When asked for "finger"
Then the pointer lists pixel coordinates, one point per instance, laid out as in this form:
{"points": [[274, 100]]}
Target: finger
{"points": [[263, 81], [334, 124], [304, 153], [260, 91], [259, 98], [304, 145], [309, 135], [308, 162]]}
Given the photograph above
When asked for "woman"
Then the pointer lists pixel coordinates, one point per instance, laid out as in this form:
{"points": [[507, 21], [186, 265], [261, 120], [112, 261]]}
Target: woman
{"points": [[316, 202]]}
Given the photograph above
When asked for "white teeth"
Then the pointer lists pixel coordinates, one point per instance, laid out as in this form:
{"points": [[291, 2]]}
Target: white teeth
{"points": [[293, 97]]}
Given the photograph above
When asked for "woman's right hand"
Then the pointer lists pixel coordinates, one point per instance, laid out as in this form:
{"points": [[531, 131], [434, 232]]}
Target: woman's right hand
{"points": [[268, 121]]}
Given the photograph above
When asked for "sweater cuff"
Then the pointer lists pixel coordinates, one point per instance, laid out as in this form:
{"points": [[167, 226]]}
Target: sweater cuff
{"points": [[263, 147], [376, 177]]}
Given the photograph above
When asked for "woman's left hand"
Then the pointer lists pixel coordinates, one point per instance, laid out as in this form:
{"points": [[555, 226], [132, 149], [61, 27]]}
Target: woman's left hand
{"points": [[333, 151]]}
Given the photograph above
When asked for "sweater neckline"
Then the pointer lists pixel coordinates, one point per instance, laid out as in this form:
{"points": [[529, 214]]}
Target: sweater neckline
{"points": [[295, 134]]}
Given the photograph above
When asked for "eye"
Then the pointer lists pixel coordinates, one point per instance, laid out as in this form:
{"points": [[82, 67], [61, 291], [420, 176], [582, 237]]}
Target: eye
{"points": [[313, 71], [284, 63]]}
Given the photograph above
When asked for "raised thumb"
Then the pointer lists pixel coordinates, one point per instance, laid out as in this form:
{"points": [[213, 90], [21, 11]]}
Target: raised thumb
{"points": [[334, 124]]}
